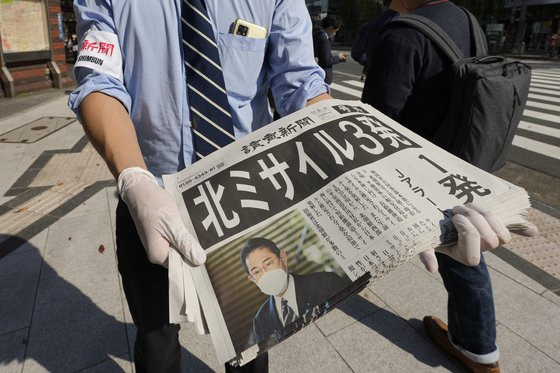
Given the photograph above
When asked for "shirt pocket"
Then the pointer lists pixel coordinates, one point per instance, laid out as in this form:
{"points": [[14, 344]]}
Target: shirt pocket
{"points": [[242, 61]]}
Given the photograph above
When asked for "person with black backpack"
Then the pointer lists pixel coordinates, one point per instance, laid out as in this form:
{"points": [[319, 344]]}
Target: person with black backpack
{"points": [[368, 37], [445, 86], [419, 76]]}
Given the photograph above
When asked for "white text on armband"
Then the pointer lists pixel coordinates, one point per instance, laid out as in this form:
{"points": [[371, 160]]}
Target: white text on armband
{"points": [[100, 51], [91, 59]]}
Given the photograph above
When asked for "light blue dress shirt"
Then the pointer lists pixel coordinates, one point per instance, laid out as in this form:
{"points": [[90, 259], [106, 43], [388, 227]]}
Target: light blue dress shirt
{"points": [[154, 89]]}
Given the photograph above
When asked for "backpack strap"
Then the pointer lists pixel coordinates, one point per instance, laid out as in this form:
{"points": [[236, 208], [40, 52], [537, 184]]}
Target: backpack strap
{"points": [[435, 33], [477, 35]]}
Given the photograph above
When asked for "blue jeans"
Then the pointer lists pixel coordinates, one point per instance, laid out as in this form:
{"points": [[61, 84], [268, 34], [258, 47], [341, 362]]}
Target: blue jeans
{"points": [[470, 308]]}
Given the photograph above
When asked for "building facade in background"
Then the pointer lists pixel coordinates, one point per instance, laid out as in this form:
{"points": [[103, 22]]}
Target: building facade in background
{"points": [[512, 26], [530, 24], [354, 14], [318, 9], [32, 48], [36, 41]]}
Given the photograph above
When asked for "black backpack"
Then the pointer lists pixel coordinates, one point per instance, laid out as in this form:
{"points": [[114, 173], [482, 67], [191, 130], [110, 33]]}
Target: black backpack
{"points": [[488, 95]]}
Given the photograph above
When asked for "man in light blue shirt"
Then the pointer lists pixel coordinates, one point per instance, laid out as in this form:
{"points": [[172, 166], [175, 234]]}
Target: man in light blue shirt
{"points": [[153, 87], [132, 100]]}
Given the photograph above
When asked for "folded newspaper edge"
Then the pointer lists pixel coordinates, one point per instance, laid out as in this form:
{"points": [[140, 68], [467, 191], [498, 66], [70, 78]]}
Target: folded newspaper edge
{"points": [[373, 192]]}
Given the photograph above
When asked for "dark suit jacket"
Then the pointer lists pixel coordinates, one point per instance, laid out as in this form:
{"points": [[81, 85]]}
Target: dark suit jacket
{"points": [[311, 290], [322, 50]]}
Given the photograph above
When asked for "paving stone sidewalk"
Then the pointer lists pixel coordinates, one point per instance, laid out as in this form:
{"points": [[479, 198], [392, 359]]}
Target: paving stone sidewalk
{"points": [[62, 307]]}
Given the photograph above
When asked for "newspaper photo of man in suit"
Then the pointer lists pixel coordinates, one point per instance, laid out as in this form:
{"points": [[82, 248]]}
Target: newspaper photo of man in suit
{"points": [[290, 295]]}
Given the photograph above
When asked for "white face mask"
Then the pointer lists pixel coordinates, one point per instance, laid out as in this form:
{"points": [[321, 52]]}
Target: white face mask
{"points": [[273, 282]]}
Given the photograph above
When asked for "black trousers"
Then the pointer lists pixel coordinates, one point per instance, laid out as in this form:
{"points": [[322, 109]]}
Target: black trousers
{"points": [[157, 347], [328, 74]]}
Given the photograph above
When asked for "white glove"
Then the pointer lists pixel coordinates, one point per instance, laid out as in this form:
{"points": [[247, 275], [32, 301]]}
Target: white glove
{"points": [[157, 218], [478, 230]]}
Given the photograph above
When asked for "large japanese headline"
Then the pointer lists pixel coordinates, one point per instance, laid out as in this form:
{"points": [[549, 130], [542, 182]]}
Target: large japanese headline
{"points": [[273, 180]]}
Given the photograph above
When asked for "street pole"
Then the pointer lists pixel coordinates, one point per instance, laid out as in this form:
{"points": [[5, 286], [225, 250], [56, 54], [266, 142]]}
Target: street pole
{"points": [[5, 76], [520, 34]]}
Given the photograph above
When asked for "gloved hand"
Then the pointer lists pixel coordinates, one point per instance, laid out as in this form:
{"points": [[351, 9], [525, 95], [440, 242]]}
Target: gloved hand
{"points": [[157, 218], [478, 230]]}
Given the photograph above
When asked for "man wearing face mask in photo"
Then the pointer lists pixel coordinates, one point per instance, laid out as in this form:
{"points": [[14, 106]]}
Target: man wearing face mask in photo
{"points": [[290, 296]]}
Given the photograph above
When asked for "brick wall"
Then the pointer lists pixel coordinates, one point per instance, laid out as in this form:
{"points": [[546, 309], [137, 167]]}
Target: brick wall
{"points": [[56, 43], [31, 76]]}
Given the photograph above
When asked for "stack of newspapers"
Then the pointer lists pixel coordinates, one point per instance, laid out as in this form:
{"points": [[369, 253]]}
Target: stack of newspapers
{"points": [[303, 213]]}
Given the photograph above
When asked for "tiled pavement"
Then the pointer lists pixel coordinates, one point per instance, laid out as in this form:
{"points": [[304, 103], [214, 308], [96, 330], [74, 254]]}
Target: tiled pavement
{"points": [[62, 306]]}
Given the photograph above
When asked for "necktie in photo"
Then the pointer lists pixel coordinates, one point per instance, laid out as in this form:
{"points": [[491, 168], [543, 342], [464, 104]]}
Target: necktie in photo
{"points": [[288, 314], [211, 122]]}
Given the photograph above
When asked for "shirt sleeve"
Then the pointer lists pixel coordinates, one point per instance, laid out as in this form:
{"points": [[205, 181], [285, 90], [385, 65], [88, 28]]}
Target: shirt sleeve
{"points": [[95, 15], [294, 77], [391, 77]]}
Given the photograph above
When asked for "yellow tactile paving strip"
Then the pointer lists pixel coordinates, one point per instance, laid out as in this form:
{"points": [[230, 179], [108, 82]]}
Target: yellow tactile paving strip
{"points": [[67, 175], [85, 166], [543, 250], [32, 210]]}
